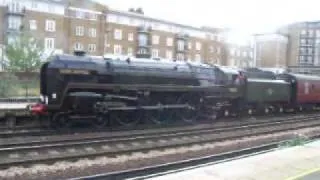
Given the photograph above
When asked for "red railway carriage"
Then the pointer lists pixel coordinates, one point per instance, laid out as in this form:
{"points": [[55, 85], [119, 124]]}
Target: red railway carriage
{"points": [[305, 88]]}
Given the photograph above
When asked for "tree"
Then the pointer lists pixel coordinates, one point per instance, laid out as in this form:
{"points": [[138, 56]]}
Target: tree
{"points": [[23, 54]]}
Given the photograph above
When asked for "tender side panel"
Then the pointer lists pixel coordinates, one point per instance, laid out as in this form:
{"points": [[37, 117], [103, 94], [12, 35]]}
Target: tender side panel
{"points": [[267, 91]]}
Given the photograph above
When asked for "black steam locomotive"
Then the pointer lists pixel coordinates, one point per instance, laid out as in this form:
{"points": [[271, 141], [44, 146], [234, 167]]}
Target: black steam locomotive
{"points": [[125, 91], [129, 90]]}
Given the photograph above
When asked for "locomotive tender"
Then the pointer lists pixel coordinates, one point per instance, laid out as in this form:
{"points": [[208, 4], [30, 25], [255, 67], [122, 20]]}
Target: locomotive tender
{"points": [[126, 90]]}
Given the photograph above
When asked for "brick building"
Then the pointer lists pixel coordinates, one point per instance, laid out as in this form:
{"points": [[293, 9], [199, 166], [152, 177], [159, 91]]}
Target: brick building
{"points": [[63, 26]]}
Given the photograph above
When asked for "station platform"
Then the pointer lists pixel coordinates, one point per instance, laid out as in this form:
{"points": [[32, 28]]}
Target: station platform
{"points": [[9, 106], [292, 163]]}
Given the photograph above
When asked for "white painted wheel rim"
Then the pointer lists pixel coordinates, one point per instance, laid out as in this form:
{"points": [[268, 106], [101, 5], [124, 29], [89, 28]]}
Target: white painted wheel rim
{"points": [[226, 113]]}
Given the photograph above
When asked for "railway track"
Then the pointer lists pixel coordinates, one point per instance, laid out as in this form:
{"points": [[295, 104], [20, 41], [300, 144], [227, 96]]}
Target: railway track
{"points": [[85, 135], [24, 131], [48, 152]]}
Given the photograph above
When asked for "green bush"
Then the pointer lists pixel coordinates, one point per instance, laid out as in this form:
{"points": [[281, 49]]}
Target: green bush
{"points": [[297, 140], [8, 84]]}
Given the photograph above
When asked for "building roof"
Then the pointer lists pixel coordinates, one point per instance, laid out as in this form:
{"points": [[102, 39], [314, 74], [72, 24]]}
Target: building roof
{"points": [[56, 1], [142, 16]]}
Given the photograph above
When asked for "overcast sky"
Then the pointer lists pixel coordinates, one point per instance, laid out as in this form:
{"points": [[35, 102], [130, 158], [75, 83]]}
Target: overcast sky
{"points": [[245, 16]]}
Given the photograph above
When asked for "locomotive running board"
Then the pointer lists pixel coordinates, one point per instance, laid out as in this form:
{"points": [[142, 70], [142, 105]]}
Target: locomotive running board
{"points": [[157, 107]]}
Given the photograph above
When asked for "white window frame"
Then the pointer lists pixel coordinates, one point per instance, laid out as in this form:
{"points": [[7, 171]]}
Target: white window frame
{"points": [[169, 41], [180, 57], [180, 45], [117, 49], [117, 34], [92, 32], [155, 39], [198, 46], [78, 46], [169, 54], [155, 53], [130, 51], [14, 23], [190, 45], [79, 30], [49, 43], [50, 25], [92, 47], [32, 24], [130, 37]]}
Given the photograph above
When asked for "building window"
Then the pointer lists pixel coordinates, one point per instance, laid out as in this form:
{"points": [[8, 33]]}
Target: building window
{"points": [[155, 53], [130, 51], [79, 14], [118, 34], [318, 33], [50, 25], [34, 5], [302, 41], [79, 30], [303, 32], [91, 16], [169, 41], [78, 46], [180, 45], [310, 42], [198, 46], [155, 39], [190, 45], [244, 53], [198, 57], [117, 49], [142, 51], [310, 32], [251, 54], [92, 47], [180, 57], [49, 43], [143, 40], [130, 36], [302, 50], [92, 32], [169, 54], [33, 24], [14, 23]]}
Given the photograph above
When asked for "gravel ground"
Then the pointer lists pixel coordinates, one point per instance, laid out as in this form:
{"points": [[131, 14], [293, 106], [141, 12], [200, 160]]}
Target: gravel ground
{"points": [[82, 167]]}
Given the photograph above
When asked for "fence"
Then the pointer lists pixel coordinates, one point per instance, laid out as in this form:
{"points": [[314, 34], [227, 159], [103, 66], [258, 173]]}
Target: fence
{"points": [[19, 84]]}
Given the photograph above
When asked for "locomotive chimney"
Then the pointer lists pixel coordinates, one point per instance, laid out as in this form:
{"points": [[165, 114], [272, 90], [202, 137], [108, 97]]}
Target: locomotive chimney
{"points": [[79, 53]]}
